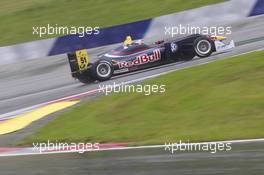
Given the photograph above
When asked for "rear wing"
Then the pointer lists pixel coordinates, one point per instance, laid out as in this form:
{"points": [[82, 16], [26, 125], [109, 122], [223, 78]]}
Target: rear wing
{"points": [[79, 61]]}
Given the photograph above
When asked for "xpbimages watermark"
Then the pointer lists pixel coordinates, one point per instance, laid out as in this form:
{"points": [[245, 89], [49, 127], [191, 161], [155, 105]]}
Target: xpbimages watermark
{"points": [[145, 89], [65, 30], [212, 147], [64, 147], [191, 29]]}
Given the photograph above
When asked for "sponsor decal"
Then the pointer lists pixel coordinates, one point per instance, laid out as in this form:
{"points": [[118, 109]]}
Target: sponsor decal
{"points": [[174, 47], [141, 59]]}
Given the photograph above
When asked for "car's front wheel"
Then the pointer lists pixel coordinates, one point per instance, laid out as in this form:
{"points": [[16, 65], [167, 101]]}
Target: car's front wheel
{"points": [[203, 47], [103, 70]]}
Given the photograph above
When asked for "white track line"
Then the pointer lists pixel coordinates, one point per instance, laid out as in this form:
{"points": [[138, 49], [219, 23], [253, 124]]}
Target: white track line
{"points": [[23, 153]]}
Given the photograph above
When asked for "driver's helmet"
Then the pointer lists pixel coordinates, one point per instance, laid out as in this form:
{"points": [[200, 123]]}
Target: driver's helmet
{"points": [[128, 41]]}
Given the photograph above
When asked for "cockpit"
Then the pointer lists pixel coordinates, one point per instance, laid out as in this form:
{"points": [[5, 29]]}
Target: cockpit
{"points": [[128, 47], [127, 50]]}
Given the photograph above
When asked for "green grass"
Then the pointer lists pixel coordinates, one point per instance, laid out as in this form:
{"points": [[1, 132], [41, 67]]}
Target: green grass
{"points": [[217, 101], [17, 17]]}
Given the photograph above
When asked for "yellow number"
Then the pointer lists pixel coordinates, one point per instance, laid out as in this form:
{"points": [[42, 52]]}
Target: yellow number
{"points": [[82, 59]]}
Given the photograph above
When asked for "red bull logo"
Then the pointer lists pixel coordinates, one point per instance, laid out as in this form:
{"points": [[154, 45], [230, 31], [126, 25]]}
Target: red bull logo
{"points": [[141, 59]]}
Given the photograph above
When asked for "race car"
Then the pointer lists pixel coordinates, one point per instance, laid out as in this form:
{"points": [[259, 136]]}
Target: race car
{"points": [[136, 55]]}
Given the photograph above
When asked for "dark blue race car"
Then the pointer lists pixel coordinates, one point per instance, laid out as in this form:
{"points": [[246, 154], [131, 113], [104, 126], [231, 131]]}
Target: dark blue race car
{"points": [[135, 55]]}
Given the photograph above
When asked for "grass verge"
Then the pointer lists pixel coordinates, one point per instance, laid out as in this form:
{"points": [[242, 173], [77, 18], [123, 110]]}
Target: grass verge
{"points": [[217, 101]]}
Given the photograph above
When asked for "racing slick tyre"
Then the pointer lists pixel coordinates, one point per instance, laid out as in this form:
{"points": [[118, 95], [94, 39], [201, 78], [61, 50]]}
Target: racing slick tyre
{"points": [[85, 77], [203, 47], [102, 70]]}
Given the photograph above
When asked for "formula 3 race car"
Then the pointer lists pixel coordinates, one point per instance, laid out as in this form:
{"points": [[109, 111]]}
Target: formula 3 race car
{"points": [[135, 55]]}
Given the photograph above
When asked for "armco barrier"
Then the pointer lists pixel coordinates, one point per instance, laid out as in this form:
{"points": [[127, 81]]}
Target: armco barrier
{"points": [[24, 51], [227, 12], [258, 8], [107, 36]]}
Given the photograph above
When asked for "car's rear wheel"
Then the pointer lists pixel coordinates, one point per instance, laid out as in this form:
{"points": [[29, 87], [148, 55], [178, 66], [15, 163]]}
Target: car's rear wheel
{"points": [[103, 70], [203, 47]]}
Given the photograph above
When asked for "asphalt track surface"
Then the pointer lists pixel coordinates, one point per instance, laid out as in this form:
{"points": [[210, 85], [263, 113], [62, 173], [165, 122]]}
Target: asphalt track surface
{"points": [[242, 159], [37, 85], [245, 158], [36, 81]]}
